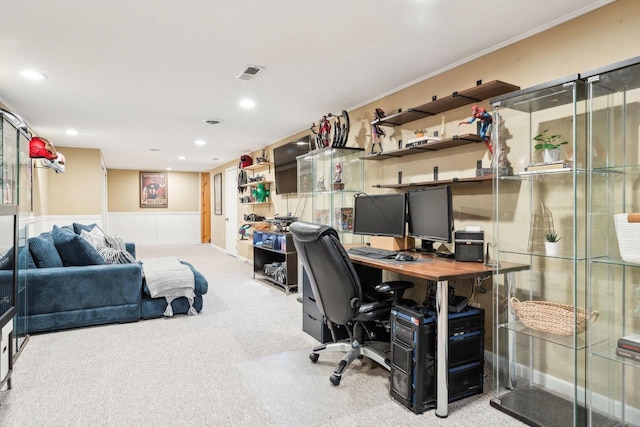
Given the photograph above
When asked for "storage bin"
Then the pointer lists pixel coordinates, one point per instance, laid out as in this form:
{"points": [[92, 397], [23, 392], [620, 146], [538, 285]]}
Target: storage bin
{"points": [[628, 234]]}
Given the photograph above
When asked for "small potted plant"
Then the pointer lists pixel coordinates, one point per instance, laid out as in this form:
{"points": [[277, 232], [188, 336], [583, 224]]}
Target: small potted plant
{"points": [[550, 145], [551, 245]]}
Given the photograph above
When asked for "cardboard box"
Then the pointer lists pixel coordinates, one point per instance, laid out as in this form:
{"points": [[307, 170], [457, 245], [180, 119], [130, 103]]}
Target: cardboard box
{"points": [[392, 243]]}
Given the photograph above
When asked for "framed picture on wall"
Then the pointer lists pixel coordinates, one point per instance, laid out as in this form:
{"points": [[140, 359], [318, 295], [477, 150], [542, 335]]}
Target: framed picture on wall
{"points": [[153, 190], [217, 194]]}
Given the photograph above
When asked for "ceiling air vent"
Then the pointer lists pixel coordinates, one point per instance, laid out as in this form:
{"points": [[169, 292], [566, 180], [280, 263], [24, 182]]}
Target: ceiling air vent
{"points": [[213, 122], [250, 73]]}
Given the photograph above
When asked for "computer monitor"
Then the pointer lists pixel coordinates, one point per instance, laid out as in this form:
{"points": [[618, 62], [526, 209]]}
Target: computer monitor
{"points": [[430, 215], [380, 215]]}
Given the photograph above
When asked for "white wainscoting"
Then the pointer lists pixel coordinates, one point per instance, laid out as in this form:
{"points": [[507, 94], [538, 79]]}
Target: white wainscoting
{"points": [[40, 224], [155, 228]]}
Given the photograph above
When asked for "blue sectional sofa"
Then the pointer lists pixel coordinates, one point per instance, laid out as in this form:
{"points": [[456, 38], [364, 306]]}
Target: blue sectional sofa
{"points": [[67, 284]]}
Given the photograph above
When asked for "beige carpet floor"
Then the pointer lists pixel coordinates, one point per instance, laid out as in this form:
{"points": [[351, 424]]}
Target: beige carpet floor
{"points": [[243, 361]]}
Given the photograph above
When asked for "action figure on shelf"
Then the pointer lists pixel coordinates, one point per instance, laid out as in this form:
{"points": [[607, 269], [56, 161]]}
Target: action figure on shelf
{"points": [[376, 131], [485, 124], [338, 174], [323, 135]]}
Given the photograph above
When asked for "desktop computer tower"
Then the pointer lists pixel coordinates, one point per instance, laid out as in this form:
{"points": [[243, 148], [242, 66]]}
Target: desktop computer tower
{"points": [[414, 356]]}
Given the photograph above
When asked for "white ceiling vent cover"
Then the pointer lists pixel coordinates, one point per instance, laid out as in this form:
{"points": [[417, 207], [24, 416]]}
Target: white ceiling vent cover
{"points": [[250, 73]]}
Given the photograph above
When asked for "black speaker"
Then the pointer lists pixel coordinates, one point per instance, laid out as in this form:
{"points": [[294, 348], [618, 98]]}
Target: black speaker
{"points": [[469, 246]]}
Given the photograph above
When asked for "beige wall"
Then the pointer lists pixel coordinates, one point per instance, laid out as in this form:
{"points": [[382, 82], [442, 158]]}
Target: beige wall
{"points": [[183, 191], [78, 191], [597, 39]]}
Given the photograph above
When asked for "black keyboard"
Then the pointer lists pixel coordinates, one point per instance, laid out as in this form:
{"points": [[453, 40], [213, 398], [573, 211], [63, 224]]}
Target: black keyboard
{"points": [[370, 252]]}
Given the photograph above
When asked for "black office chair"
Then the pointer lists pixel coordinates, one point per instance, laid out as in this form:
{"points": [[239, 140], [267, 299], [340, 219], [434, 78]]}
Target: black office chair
{"points": [[340, 299]]}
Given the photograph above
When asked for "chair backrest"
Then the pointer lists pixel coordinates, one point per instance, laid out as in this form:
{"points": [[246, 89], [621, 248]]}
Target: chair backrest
{"points": [[333, 279]]}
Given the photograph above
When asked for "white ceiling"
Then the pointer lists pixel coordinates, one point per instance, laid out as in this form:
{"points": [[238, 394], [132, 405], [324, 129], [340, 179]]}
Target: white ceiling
{"points": [[132, 75]]}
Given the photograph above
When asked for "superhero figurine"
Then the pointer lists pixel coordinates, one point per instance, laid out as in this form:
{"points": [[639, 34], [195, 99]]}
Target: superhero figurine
{"points": [[377, 131], [41, 148], [338, 175], [485, 124], [261, 193]]}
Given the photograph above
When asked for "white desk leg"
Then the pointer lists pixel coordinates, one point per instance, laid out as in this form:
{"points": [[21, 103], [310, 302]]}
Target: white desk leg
{"points": [[510, 287], [442, 334]]}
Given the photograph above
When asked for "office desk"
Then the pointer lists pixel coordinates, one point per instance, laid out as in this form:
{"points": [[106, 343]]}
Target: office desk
{"points": [[439, 270]]}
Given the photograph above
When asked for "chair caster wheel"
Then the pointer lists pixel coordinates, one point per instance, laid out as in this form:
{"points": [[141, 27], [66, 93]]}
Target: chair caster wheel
{"points": [[314, 357], [335, 380]]}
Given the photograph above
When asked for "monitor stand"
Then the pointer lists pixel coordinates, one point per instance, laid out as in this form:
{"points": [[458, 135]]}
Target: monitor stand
{"points": [[427, 246]]}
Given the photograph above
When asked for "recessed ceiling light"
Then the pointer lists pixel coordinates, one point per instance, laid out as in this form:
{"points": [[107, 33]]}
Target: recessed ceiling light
{"points": [[247, 103], [71, 132], [182, 157], [169, 168], [33, 75], [200, 142]]}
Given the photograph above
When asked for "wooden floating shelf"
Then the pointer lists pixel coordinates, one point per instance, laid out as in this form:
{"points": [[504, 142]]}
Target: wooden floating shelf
{"points": [[455, 100], [253, 184], [436, 183], [455, 141], [258, 166]]}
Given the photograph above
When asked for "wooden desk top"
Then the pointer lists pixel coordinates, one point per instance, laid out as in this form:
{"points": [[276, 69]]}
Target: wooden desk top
{"points": [[437, 269]]}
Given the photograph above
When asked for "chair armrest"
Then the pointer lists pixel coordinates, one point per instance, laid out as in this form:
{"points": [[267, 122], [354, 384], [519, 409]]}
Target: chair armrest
{"points": [[395, 288], [394, 285]]}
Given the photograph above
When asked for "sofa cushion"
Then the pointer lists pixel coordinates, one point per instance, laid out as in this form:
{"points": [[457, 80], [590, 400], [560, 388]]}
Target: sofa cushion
{"points": [[44, 252], [25, 260], [73, 249], [77, 227], [6, 260], [95, 237]]}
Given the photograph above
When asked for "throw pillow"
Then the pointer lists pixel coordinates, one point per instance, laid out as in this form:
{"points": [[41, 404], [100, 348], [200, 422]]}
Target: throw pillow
{"points": [[77, 227], [73, 249], [115, 251], [44, 252], [25, 260], [6, 260], [95, 236]]}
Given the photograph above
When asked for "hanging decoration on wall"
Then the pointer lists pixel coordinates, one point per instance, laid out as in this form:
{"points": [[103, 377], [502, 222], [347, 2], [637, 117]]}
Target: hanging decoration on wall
{"points": [[153, 190], [43, 151], [335, 134]]}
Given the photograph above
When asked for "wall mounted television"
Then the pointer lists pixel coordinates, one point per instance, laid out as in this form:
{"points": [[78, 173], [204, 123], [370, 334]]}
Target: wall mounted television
{"points": [[286, 166]]}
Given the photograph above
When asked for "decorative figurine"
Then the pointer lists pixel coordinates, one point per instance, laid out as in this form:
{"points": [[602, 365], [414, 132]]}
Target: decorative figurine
{"points": [[485, 124], [337, 176], [377, 131], [261, 193], [320, 184], [337, 179]]}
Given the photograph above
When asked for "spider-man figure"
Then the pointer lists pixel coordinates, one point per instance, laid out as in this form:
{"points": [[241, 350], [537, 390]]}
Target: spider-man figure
{"points": [[485, 124]]}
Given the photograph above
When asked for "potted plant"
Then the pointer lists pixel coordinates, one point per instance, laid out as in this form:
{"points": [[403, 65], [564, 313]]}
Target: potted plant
{"points": [[550, 145], [551, 245]]}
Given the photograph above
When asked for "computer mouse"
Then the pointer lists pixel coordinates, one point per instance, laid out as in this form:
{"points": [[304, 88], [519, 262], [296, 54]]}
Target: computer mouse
{"points": [[404, 257]]}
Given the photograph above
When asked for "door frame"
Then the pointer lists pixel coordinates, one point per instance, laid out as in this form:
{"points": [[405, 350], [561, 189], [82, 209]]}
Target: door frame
{"points": [[231, 210]]}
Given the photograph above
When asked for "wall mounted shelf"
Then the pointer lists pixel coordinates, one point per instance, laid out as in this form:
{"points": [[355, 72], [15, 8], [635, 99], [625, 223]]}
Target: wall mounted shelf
{"points": [[455, 141], [436, 183], [455, 100], [258, 167]]}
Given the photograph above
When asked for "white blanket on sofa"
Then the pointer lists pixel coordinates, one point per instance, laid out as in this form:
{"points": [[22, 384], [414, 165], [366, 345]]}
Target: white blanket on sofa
{"points": [[168, 278]]}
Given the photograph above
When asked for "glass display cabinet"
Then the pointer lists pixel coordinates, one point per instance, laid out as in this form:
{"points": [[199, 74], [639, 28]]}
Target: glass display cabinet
{"points": [[540, 343], [613, 121], [16, 189], [328, 180]]}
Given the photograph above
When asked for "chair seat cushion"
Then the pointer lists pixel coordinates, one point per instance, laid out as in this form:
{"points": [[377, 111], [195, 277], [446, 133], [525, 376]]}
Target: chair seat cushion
{"points": [[372, 311]]}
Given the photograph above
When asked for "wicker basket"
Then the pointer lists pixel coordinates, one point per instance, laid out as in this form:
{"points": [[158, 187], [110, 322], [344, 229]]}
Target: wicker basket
{"points": [[628, 234], [551, 317]]}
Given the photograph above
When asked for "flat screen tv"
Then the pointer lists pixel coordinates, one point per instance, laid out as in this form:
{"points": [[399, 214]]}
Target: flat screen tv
{"points": [[286, 166], [380, 215]]}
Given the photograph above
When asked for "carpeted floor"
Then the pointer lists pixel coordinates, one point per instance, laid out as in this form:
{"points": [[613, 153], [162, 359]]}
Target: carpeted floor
{"points": [[243, 361]]}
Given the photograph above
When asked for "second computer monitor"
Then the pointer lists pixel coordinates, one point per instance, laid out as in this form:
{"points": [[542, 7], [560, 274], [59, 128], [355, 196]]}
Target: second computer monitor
{"points": [[430, 215], [380, 215]]}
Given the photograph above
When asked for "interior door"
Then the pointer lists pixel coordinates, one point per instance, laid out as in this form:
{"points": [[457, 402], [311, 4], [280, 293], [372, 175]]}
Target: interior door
{"points": [[231, 210], [205, 207]]}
